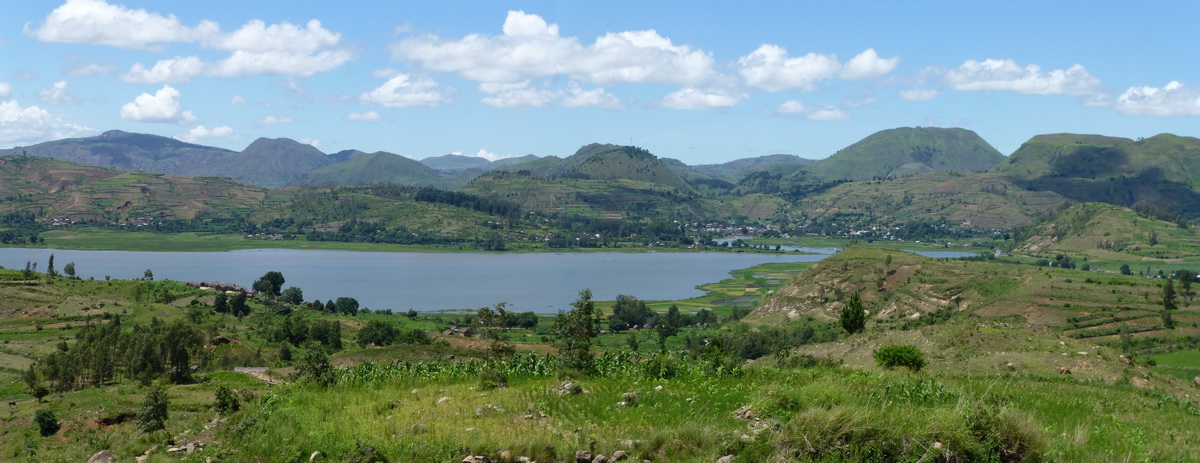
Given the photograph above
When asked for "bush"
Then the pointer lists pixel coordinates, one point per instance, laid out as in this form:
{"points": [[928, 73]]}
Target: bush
{"points": [[226, 403], [153, 414], [47, 423], [900, 356]]}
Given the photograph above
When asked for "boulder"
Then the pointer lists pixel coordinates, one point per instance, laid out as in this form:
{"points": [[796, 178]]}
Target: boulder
{"points": [[725, 459], [583, 456], [619, 455], [103, 456]]}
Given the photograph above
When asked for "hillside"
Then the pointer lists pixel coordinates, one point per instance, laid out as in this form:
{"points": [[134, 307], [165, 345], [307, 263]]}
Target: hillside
{"points": [[734, 171], [1162, 171], [133, 151], [378, 167], [57, 189], [1107, 236], [908, 151], [898, 288], [275, 162], [610, 198], [981, 201]]}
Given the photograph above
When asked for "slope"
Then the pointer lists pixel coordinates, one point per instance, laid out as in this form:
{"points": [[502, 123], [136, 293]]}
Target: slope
{"points": [[907, 151], [1107, 236], [378, 167]]}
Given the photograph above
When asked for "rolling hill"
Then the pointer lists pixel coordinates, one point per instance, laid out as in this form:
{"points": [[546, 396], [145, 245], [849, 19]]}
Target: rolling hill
{"points": [[1107, 236], [378, 167], [1162, 171], [908, 151]]}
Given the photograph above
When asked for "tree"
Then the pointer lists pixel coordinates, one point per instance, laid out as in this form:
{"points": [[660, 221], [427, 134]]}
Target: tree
{"points": [[1125, 270], [50, 273], [1185, 283], [1168, 298], [47, 423], [148, 275], [270, 284], [221, 302], [347, 305], [314, 366], [491, 322], [237, 305], [574, 330], [69, 269], [1168, 322], [668, 326], [331, 307], [900, 356], [1153, 239], [152, 416], [854, 316], [293, 296], [377, 333], [226, 402]]}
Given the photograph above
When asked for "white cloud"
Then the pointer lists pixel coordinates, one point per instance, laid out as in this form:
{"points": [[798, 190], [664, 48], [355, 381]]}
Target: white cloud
{"points": [[815, 113], [97, 22], [770, 68], [162, 106], [489, 155], [200, 132], [1007, 75], [237, 100], [25, 75], [272, 119], [385, 73], [1173, 99], [5, 89], [529, 48], [90, 69], [256, 48], [56, 95], [575, 96], [868, 65], [310, 141], [369, 116], [24, 125], [694, 98], [404, 91], [165, 71], [919, 94]]}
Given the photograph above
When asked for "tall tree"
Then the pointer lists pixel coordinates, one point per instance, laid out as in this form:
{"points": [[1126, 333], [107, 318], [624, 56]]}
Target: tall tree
{"points": [[221, 302], [237, 305], [50, 273], [69, 269], [574, 330], [1168, 298], [293, 296], [491, 322], [270, 284]]}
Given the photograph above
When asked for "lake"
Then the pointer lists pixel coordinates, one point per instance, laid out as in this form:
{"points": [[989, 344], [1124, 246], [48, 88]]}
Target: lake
{"points": [[538, 282]]}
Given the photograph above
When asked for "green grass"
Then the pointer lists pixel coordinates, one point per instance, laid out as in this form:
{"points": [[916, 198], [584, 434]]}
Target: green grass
{"points": [[1184, 364]]}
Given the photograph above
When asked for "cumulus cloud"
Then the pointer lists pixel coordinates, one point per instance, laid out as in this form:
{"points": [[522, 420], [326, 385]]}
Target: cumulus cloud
{"points": [[530, 48], [919, 94], [1007, 75], [237, 100], [369, 116], [272, 120], [5, 89], [90, 69], [310, 141], [162, 106], [489, 155], [165, 71], [385, 73], [815, 113], [1173, 99], [201, 132], [97, 22], [770, 68], [404, 91], [256, 48], [695, 98], [56, 94], [31, 124]]}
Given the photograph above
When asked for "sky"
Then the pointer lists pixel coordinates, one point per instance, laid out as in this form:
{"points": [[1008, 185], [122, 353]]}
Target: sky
{"points": [[701, 81]]}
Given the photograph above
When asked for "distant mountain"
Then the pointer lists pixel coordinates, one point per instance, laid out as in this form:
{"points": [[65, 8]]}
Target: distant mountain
{"points": [[1162, 171], [378, 167], [455, 163], [1099, 233], [734, 171], [266, 162], [908, 151]]}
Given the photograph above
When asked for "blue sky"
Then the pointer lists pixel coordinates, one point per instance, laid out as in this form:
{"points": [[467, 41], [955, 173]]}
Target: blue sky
{"points": [[703, 82]]}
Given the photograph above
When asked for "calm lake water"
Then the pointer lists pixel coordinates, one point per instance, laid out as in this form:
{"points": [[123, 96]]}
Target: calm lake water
{"points": [[539, 282]]}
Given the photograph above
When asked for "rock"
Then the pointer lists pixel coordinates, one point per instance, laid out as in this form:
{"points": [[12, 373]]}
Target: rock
{"points": [[658, 388], [1126, 360], [1196, 381], [567, 387], [619, 455], [313, 457], [1140, 383], [725, 459], [488, 409], [417, 428], [506, 456], [745, 414], [444, 399], [1011, 366], [103, 456], [415, 391], [475, 459], [583, 456], [600, 459]]}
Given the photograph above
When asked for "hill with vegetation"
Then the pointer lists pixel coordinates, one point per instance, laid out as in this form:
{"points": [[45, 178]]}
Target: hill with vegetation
{"points": [[908, 151], [958, 200], [1105, 236], [378, 167], [453, 163], [1161, 172], [734, 171]]}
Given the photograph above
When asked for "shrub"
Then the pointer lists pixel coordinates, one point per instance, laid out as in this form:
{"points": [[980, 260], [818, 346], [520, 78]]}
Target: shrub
{"points": [[900, 356], [226, 402], [153, 414], [47, 423], [854, 316]]}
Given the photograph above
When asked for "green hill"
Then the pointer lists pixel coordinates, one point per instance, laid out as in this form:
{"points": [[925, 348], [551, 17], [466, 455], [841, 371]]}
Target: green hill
{"points": [[983, 201], [275, 162], [1107, 236], [908, 151], [1162, 171], [378, 167]]}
